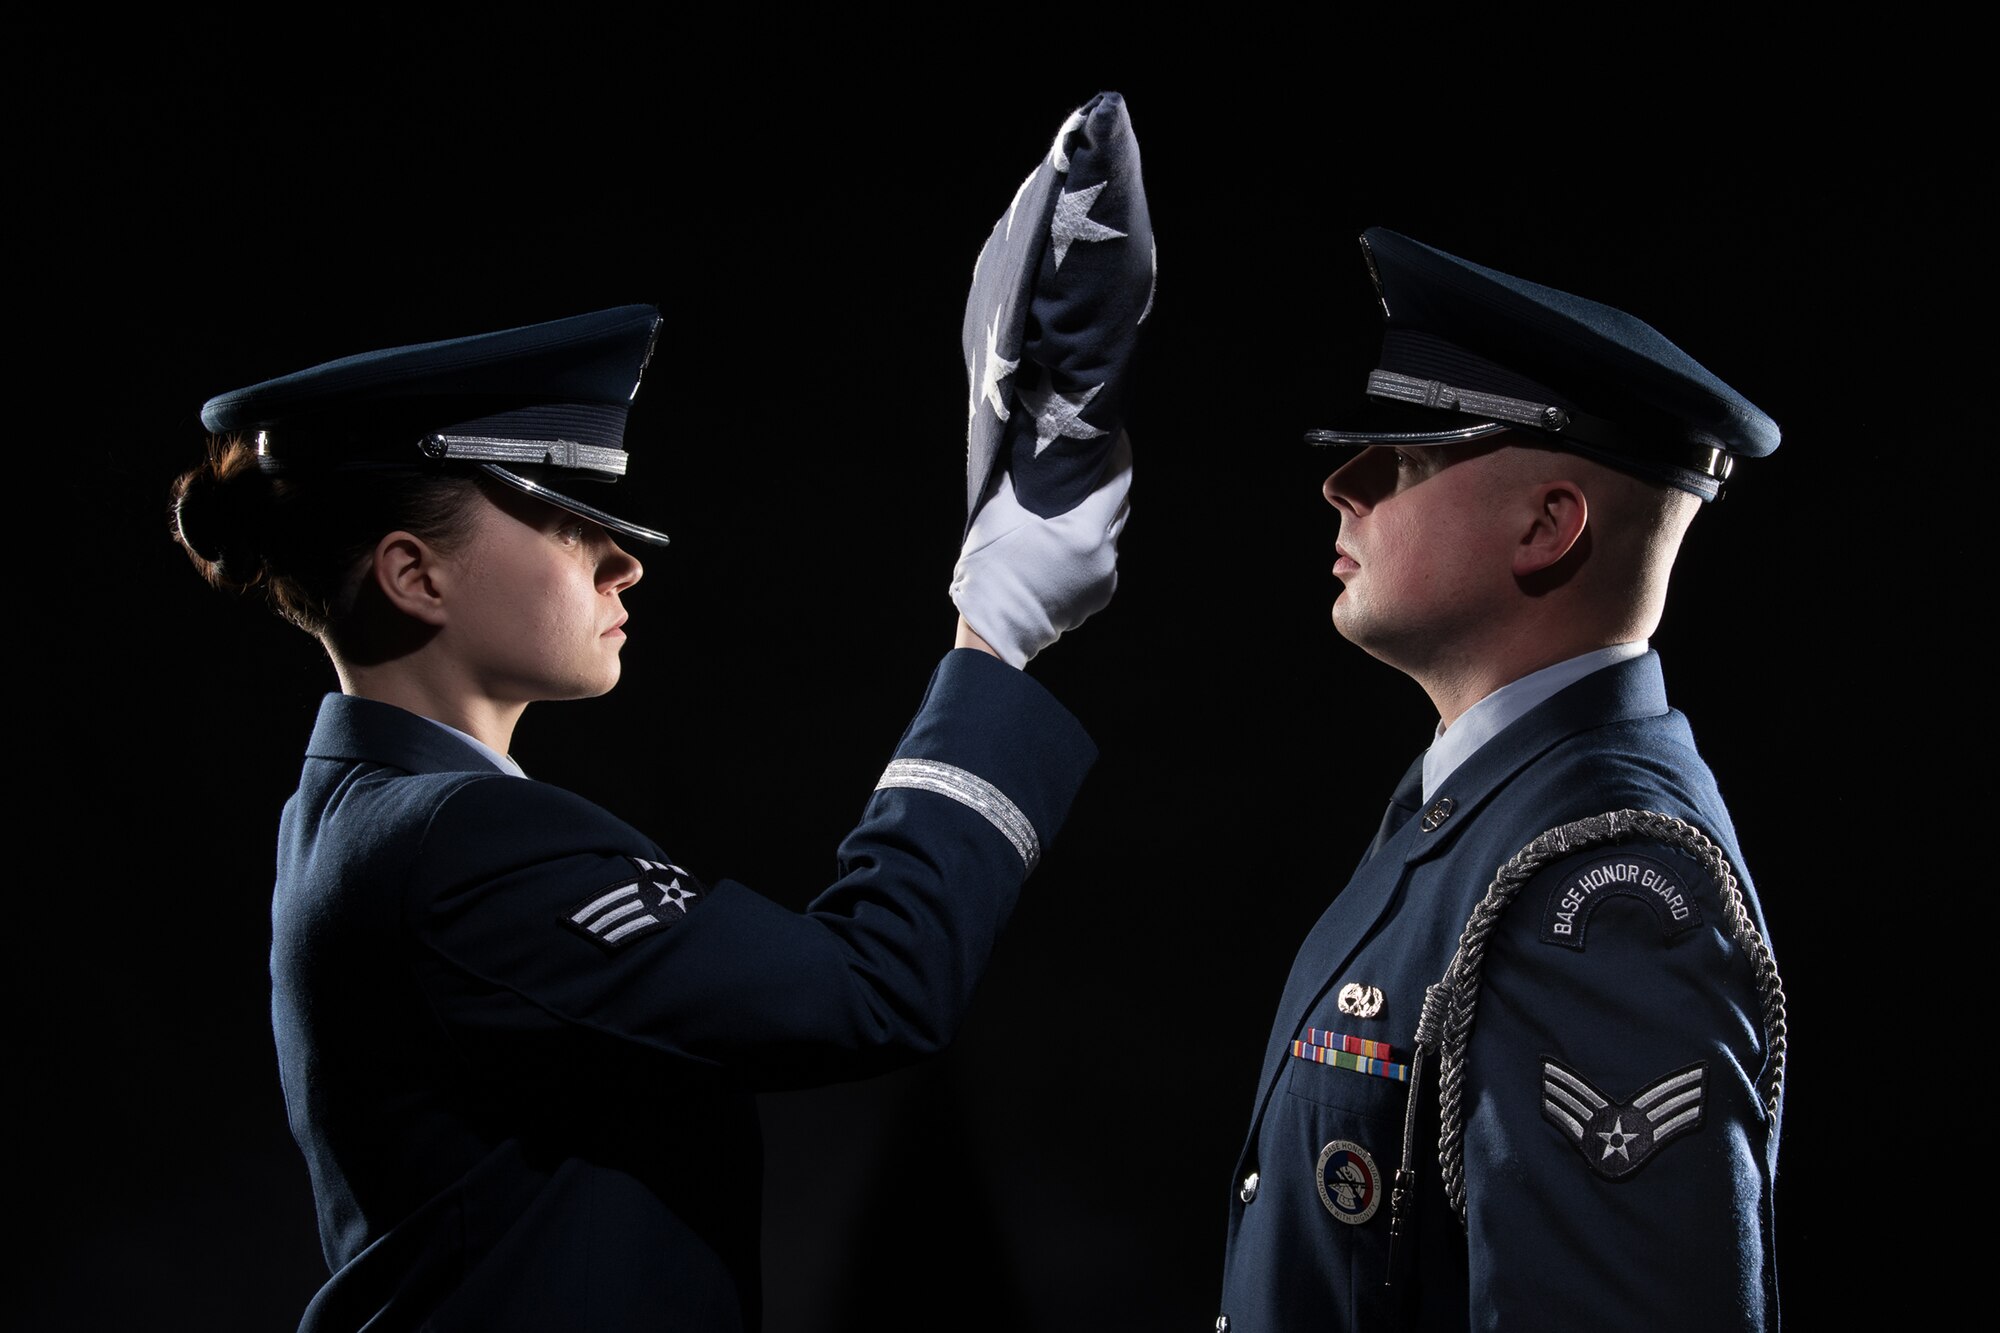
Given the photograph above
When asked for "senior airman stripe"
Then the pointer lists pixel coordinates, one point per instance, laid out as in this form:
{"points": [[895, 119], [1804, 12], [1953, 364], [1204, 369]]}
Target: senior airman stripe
{"points": [[1616, 1137], [618, 915], [612, 917]]}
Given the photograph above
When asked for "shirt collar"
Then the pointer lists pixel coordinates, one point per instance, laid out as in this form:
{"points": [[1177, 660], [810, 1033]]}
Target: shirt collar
{"points": [[504, 763], [1493, 714]]}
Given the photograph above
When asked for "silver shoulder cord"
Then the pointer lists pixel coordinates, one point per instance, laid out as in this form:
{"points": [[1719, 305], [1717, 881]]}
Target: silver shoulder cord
{"points": [[1445, 1025]]}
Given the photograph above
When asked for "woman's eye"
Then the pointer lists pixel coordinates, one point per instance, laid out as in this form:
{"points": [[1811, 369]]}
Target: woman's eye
{"points": [[571, 534]]}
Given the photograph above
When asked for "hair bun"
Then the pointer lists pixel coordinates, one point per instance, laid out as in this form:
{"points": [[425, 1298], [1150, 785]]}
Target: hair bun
{"points": [[218, 517]]}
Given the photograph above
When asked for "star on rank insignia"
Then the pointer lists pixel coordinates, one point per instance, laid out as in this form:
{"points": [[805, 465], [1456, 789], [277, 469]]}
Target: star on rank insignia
{"points": [[657, 898], [1617, 1138]]}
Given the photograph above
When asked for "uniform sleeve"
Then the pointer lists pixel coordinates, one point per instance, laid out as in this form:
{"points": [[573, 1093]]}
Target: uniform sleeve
{"points": [[1618, 1152], [553, 937]]}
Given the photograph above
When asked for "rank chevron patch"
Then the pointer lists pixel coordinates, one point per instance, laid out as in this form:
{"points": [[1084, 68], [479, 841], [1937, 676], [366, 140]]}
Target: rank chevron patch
{"points": [[658, 898], [1617, 1138]]}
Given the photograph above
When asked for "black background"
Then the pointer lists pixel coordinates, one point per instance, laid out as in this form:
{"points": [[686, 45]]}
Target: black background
{"points": [[225, 202]]}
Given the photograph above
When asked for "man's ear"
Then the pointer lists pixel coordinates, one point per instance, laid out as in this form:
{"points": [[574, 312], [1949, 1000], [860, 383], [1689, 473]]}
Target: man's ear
{"points": [[411, 576], [1556, 521]]}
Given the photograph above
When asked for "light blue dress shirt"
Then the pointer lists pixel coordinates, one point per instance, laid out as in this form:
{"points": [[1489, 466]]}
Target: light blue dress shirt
{"points": [[1493, 714], [500, 761]]}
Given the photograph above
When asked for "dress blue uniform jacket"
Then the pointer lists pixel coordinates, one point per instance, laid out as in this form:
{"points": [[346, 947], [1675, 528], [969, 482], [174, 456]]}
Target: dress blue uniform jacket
{"points": [[1558, 1234], [519, 1045]]}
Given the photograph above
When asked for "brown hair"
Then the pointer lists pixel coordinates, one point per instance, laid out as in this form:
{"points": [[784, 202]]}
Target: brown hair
{"points": [[304, 537]]}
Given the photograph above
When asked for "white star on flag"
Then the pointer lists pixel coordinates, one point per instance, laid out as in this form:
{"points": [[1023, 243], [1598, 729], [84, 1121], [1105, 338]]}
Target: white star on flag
{"points": [[1072, 221], [1056, 415], [998, 368], [1058, 157]]}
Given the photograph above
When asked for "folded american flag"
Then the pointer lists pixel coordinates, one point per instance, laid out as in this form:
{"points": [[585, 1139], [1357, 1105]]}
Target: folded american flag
{"points": [[1052, 320]]}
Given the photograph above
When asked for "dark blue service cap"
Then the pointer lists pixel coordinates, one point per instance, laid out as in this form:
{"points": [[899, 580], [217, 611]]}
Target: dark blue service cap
{"points": [[1052, 319], [1470, 352], [539, 408]]}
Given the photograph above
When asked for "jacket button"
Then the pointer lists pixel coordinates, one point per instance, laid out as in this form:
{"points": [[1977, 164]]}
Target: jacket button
{"points": [[1222, 1323], [1249, 1190]]}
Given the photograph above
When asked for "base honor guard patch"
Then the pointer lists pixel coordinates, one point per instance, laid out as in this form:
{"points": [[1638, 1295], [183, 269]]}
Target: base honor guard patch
{"points": [[658, 897], [1617, 1138], [1581, 885], [1350, 1184]]}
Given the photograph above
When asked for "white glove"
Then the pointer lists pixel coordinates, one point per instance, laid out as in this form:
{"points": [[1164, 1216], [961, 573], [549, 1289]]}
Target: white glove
{"points": [[1022, 580]]}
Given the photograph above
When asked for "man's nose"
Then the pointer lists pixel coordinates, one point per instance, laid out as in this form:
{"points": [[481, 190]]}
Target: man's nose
{"points": [[1343, 489], [619, 569]]}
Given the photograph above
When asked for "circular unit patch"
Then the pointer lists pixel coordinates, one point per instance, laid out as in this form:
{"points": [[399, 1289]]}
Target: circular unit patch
{"points": [[1350, 1184]]}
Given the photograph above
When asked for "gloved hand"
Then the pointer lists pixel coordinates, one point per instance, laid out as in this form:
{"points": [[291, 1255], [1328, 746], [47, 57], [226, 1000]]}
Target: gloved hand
{"points": [[1022, 580]]}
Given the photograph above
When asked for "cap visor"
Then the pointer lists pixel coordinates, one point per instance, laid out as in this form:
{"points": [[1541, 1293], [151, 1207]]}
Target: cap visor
{"points": [[1399, 423], [610, 522]]}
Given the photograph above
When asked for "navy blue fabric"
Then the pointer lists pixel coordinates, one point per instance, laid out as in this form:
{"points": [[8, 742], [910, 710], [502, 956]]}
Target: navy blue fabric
{"points": [[566, 382], [1068, 312], [509, 1125], [1476, 328], [1686, 1242], [592, 360]]}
